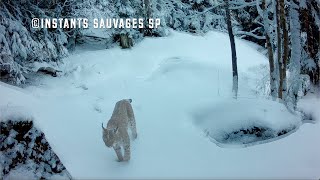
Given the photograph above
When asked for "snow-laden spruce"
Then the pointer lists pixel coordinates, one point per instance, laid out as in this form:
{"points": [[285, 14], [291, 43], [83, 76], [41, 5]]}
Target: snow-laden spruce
{"points": [[21, 45], [25, 152]]}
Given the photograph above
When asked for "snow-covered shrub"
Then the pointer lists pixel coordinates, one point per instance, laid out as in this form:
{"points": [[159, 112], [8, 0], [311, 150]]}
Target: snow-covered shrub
{"points": [[251, 134], [25, 152]]}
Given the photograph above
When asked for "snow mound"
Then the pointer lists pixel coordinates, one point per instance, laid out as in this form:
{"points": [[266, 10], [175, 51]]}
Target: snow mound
{"points": [[245, 121], [310, 106], [176, 64], [15, 113]]}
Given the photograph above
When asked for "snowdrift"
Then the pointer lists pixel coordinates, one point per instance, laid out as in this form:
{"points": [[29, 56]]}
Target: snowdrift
{"points": [[245, 122]]}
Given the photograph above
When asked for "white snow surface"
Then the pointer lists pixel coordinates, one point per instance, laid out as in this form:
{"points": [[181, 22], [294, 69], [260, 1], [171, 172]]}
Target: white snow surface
{"points": [[169, 79]]}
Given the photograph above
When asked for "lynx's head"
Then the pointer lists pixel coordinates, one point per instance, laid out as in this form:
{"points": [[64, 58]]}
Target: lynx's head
{"points": [[109, 136]]}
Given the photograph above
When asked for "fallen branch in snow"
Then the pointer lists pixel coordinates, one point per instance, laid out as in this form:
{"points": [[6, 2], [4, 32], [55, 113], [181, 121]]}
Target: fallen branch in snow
{"points": [[49, 70], [244, 33]]}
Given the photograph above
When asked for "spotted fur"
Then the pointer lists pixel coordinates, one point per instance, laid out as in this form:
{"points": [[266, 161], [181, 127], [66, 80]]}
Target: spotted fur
{"points": [[116, 134]]}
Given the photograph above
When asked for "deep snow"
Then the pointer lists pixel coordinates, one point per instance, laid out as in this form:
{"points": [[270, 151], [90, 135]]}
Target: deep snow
{"points": [[168, 79]]}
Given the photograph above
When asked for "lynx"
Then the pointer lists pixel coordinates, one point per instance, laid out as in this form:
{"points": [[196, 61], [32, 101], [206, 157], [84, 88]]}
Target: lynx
{"points": [[116, 134]]}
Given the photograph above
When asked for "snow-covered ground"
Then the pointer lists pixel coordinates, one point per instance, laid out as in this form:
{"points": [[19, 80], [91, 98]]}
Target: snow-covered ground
{"points": [[171, 80]]}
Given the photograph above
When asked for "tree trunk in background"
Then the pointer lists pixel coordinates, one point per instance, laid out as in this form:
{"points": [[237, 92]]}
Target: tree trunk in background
{"points": [[148, 14], [279, 49], [311, 31], [233, 51], [125, 41], [295, 61], [273, 88], [283, 68], [309, 11]]}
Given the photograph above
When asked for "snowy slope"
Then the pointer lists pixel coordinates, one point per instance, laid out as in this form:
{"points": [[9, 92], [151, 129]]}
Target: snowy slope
{"points": [[168, 79]]}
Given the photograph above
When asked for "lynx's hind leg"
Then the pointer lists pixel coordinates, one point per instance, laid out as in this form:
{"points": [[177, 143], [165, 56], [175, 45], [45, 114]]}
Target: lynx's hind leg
{"points": [[132, 121]]}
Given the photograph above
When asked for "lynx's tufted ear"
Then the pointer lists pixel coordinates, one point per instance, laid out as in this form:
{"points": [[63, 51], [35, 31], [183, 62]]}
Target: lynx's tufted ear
{"points": [[102, 127]]}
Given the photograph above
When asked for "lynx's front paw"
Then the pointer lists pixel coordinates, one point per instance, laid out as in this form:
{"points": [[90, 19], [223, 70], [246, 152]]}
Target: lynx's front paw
{"points": [[120, 159], [126, 158]]}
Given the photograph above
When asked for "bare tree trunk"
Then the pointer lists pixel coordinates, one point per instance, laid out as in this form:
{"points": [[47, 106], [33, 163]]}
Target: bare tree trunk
{"points": [[285, 49], [295, 62], [273, 88], [125, 41], [279, 49], [233, 51]]}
